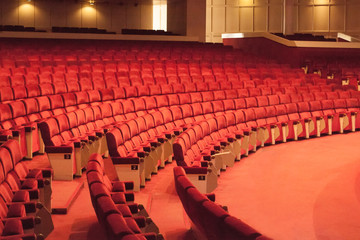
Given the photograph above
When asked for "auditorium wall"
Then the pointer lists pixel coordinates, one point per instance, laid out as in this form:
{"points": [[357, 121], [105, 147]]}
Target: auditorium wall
{"points": [[111, 15], [309, 16]]}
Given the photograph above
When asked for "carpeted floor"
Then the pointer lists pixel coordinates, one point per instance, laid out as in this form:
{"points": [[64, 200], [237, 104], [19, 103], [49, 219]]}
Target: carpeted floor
{"points": [[299, 190]]}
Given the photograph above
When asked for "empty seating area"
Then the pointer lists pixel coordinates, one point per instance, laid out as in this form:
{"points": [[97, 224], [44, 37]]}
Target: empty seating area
{"points": [[114, 205], [25, 196], [143, 104]]}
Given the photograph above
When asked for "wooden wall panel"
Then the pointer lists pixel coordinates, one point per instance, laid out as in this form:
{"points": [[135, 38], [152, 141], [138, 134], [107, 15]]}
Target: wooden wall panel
{"points": [[10, 12], [218, 19], [275, 18], [146, 14], [352, 17], [305, 18], [246, 19], [58, 14], [43, 14], [133, 16], [73, 15], [337, 18], [260, 19], [26, 13], [88, 15], [231, 21], [118, 20], [103, 11], [321, 18]]}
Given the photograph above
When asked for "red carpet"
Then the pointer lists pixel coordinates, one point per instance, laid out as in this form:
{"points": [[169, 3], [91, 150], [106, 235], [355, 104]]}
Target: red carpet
{"points": [[298, 190]]}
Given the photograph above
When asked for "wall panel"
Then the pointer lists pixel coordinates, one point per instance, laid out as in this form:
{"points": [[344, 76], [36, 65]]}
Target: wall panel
{"points": [[321, 18], [118, 20], [10, 12], [103, 11], [352, 17], [305, 18], [246, 19], [231, 21], [218, 19], [275, 20], [88, 15], [26, 13], [73, 15], [43, 14], [260, 19], [58, 14], [146, 14], [337, 18]]}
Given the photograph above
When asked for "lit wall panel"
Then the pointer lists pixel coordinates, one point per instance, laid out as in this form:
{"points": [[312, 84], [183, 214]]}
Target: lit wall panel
{"points": [[231, 21], [305, 18], [275, 18], [246, 19], [88, 15], [260, 19], [26, 13], [321, 18], [218, 19]]}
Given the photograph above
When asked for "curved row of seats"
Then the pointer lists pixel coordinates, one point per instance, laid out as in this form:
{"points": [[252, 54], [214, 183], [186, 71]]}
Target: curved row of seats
{"points": [[20, 112], [157, 67], [121, 218], [208, 217], [9, 94], [24, 196], [224, 138], [16, 113], [128, 140], [97, 118]]}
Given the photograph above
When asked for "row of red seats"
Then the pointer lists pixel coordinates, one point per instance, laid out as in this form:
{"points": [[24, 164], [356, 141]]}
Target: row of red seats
{"points": [[148, 66], [210, 218], [29, 110], [23, 194], [149, 77], [17, 113], [109, 80], [114, 207], [266, 125], [19, 92], [201, 104], [165, 123]]}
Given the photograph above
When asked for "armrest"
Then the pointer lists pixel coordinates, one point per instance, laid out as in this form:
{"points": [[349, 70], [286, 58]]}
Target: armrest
{"points": [[129, 196], [34, 193], [5, 137], [58, 149], [46, 172], [140, 221], [210, 196], [125, 160], [196, 170], [27, 222]]}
